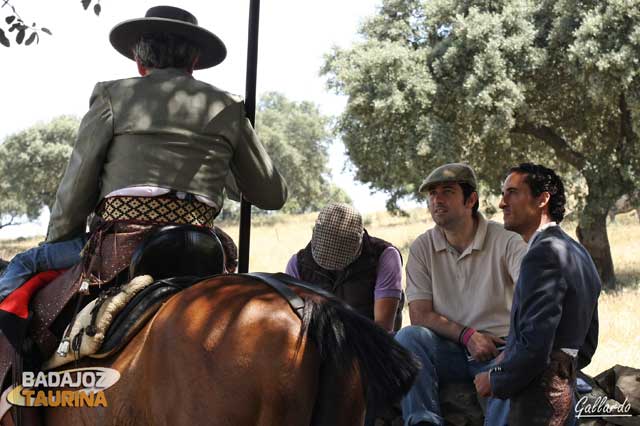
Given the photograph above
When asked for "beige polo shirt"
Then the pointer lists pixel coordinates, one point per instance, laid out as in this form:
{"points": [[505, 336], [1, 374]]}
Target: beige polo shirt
{"points": [[473, 288]]}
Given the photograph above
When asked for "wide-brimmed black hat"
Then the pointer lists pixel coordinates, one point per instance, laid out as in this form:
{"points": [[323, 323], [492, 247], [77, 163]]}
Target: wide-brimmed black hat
{"points": [[173, 20]]}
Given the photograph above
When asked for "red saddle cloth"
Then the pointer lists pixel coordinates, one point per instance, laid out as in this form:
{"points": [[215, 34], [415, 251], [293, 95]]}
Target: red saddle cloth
{"points": [[14, 309]]}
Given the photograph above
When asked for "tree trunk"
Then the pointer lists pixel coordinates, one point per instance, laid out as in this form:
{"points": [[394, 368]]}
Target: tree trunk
{"points": [[592, 234]]}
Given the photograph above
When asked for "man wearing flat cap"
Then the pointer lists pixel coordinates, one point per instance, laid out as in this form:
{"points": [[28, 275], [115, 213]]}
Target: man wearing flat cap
{"points": [[343, 259], [158, 149], [363, 271], [460, 283]]}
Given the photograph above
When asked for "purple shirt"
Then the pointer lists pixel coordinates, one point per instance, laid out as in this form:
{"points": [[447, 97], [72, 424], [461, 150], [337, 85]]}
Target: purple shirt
{"points": [[388, 276]]}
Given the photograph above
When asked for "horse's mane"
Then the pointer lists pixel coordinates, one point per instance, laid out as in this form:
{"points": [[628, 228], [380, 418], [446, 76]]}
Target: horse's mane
{"points": [[345, 339]]}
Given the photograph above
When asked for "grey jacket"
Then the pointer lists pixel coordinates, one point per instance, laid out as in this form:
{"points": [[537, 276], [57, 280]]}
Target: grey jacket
{"points": [[169, 130]]}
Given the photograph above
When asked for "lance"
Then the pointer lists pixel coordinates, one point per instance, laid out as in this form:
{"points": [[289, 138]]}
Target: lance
{"points": [[250, 105]]}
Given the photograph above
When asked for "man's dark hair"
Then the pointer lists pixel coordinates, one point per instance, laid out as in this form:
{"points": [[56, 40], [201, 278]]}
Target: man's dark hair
{"points": [[467, 190], [164, 50], [542, 179]]}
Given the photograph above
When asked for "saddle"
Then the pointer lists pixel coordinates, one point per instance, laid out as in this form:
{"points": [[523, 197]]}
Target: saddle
{"points": [[183, 250], [146, 303], [139, 310]]}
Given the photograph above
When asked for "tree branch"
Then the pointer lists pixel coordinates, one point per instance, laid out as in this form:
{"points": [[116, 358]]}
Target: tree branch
{"points": [[11, 222], [559, 145]]}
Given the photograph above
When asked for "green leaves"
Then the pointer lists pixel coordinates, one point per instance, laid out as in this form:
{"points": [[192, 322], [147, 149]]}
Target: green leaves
{"points": [[20, 36], [31, 38], [31, 165], [22, 31], [296, 137], [383, 128], [3, 39], [459, 81], [96, 7], [31, 33]]}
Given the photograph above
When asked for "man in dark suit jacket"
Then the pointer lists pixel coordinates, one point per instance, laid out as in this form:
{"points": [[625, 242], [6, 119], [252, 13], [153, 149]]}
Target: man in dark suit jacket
{"points": [[554, 318]]}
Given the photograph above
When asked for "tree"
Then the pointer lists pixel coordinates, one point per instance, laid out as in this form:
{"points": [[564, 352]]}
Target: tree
{"points": [[10, 209], [295, 135], [22, 31], [495, 83], [31, 165]]}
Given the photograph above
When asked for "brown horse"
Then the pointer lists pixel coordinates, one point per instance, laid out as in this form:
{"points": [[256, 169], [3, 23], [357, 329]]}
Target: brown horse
{"points": [[230, 351]]}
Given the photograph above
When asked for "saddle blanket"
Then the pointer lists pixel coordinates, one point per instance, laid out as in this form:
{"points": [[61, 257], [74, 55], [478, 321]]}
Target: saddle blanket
{"points": [[14, 309], [86, 334]]}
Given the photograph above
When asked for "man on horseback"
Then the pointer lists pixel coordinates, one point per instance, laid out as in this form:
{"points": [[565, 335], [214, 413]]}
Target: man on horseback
{"points": [[159, 149]]}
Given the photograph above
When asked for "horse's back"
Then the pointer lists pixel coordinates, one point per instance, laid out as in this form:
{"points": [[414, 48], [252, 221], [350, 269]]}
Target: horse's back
{"points": [[226, 351], [230, 351]]}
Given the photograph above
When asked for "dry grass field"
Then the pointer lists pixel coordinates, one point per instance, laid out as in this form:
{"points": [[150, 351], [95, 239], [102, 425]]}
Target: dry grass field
{"points": [[275, 239]]}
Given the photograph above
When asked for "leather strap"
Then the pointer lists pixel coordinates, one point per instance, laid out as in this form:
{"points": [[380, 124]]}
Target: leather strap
{"points": [[47, 305], [279, 282], [288, 279], [295, 301]]}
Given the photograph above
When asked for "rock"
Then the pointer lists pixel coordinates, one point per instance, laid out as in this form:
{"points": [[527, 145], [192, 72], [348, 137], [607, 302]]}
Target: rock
{"points": [[458, 402], [460, 406]]}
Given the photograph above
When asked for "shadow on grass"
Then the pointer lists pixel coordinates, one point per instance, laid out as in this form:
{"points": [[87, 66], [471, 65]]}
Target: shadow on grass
{"points": [[627, 280]]}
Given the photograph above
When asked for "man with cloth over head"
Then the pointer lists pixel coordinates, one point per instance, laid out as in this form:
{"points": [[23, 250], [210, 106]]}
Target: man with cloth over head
{"points": [[460, 281], [343, 259], [362, 270]]}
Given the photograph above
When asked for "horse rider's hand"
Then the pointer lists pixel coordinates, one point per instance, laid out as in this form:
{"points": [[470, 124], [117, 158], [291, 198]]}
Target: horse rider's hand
{"points": [[482, 347], [483, 384]]}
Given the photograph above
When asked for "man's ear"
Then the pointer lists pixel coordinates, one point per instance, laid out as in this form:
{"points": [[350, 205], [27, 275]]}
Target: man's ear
{"points": [[473, 199], [543, 199], [193, 64], [141, 68]]}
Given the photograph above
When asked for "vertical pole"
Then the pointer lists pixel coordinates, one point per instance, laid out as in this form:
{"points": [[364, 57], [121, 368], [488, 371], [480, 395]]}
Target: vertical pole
{"points": [[250, 105]]}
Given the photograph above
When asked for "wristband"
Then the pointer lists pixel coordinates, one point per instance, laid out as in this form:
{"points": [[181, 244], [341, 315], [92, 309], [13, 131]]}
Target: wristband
{"points": [[467, 335], [464, 329]]}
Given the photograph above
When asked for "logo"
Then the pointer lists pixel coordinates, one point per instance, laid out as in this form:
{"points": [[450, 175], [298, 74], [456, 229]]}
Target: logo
{"points": [[598, 407], [80, 387]]}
